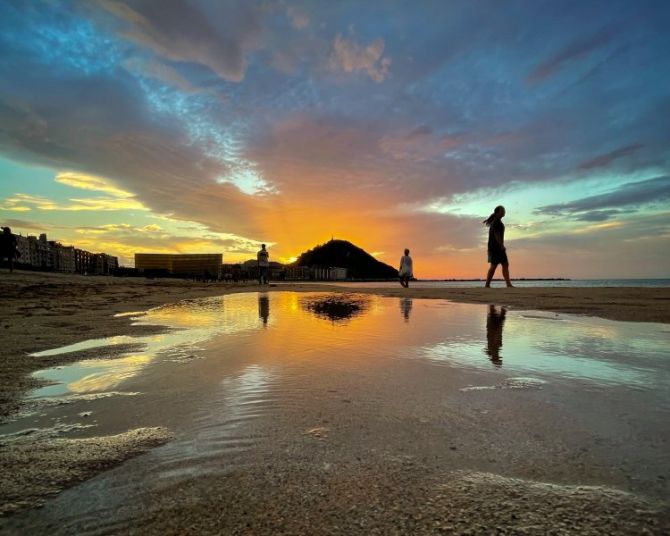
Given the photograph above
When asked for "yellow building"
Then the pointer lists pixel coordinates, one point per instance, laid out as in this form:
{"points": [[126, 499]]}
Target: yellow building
{"points": [[197, 264]]}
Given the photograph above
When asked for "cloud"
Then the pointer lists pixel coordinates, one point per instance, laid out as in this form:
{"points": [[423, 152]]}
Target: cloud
{"points": [[149, 67], [421, 143], [350, 57], [606, 159], [90, 182], [25, 202], [600, 207], [574, 51], [200, 33], [27, 225], [299, 18]]}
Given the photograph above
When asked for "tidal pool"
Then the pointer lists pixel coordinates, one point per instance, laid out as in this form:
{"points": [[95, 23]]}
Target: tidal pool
{"points": [[285, 383]]}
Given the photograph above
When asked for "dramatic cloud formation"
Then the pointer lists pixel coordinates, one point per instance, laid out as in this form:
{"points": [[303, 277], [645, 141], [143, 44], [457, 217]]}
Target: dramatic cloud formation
{"points": [[203, 125], [604, 206]]}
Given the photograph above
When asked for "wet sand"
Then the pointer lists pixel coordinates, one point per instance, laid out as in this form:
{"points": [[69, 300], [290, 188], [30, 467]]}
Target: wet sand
{"points": [[35, 468], [351, 486]]}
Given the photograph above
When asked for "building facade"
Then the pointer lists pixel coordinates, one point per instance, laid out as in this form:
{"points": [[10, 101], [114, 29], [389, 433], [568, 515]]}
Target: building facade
{"points": [[42, 254], [206, 265], [103, 264], [316, 273], [62, 257]]}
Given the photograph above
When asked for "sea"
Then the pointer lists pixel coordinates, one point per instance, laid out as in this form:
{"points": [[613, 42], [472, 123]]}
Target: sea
{"points": [[521, 283]]}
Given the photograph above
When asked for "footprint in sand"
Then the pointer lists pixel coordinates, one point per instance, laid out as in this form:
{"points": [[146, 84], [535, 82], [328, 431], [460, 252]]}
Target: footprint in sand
{"points": [[320, 432]]}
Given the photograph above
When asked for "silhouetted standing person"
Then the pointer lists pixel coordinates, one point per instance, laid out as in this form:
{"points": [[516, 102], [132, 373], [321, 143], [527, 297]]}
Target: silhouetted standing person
{"points": [[494, 333], [496, 248], [8, 247], [406, 269], [263, 257]]}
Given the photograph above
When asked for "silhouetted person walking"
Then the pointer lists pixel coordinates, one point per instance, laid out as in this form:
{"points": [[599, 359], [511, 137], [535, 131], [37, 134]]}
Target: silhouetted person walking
{"points": [[494, 334], [263, 257], [8, 247], [406, 270], [496, 248]]}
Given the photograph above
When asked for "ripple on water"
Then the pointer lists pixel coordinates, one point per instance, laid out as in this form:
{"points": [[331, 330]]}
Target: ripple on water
{"points": [[222, 428], [509, 383]]}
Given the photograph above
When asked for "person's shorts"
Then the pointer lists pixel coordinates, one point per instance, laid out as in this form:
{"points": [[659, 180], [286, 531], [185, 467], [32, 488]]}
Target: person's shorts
{"points": [[498, 257]]}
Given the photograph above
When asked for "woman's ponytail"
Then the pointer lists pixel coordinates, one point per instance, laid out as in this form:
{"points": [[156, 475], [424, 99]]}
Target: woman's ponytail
{"points": [[488, 221]]}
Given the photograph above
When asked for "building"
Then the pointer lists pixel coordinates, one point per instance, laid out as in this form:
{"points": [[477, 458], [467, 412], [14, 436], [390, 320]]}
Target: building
{"points": [[298, 273], [23, 247], [337, 274], [249, 270], [206, 265], [316, 273], [103, 264], [277, 271], [62, 257], [34, 252], [82, 261], [42, 254]]}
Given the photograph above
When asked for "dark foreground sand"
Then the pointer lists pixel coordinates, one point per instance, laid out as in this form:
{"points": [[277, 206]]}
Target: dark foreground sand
{"points": [[293, 491]]}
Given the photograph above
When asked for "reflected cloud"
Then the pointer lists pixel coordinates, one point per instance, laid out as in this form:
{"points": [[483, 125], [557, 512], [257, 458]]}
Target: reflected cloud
{"points": [[495, 320], [336, 308], [108, 373]]}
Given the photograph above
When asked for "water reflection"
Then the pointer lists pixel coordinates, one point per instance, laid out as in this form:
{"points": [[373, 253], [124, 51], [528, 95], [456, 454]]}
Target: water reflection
{"points": [[263, 307], [495, 320], [443, 332], [406, 308], [336, 308]]}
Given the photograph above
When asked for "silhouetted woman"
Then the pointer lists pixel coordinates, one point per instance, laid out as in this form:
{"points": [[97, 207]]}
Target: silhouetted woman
{"points": [[497, 251], [406, 270]]}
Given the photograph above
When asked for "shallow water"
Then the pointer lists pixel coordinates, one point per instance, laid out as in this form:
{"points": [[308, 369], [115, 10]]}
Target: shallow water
{"points": [[261, 378]]}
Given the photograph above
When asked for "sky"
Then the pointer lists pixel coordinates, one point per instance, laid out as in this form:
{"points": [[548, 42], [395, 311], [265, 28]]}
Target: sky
{"points": [[212, 126]]}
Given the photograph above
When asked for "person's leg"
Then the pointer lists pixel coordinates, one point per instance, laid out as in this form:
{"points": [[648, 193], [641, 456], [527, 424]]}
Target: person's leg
{"points": [[505, 271], [406, 281], [489, 275]]}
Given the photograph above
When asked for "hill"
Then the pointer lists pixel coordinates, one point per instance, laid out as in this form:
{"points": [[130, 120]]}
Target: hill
{"points": [[359, 263]]}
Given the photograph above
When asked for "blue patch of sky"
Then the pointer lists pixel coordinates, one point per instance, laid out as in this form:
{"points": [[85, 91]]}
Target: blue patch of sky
{"points": [[521, 200], [53, 34], [16, 178]]}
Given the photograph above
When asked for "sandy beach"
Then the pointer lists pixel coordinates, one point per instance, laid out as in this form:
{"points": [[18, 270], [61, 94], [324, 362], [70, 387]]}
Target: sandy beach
{"points": [[284, 487]]}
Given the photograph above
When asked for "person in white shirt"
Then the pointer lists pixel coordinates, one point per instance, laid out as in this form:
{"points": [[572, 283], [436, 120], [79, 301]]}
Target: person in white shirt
{"points": [[405, 272], [263, 258]]}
